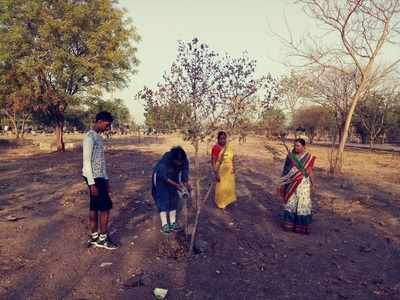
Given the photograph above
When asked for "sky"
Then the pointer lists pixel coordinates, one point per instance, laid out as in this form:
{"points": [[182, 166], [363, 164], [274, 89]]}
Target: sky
{"points": [[227, 26]]}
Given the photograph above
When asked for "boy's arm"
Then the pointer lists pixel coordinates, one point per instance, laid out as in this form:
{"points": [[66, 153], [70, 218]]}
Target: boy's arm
{"points": [[87, 159]]}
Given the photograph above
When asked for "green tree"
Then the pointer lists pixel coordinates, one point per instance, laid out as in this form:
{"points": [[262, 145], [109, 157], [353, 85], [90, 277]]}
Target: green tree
{"points": [[116, 107], [371, 118], [272, 122], [313, 120], [70, 48], [17, 98], [393, 122]]}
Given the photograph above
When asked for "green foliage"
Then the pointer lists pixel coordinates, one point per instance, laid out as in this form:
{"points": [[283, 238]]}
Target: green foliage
{"points": [[272, 122], [81, 117], [313, 120], [69, 48], [116, 107], [393, 122], [377, 115], [164, 118]]}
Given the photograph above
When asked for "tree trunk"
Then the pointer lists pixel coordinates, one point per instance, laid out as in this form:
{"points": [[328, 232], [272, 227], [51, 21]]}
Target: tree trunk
{"points": [[13, 119], [371, 142], [23, 127], [197, 171], [16, 131], [345, 133], [60, 137]]}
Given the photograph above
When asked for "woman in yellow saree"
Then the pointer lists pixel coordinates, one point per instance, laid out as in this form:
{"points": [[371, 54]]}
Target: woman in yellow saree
{"points": [[222, 163]]}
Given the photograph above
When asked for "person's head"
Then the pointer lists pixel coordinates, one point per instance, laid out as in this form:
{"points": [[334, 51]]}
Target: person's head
{"points": [[222, 138], [178, 156], [103, 121], [299, 146]]}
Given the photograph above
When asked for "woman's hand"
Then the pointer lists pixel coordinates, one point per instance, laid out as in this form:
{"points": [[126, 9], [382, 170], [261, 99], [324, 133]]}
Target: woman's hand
{"points": [[217, 178], [188, 186], [174, 184], [312, 186]]}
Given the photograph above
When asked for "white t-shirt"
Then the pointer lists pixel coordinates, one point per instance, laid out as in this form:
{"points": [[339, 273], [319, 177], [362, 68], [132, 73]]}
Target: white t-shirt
{"points": [[94, 164]]}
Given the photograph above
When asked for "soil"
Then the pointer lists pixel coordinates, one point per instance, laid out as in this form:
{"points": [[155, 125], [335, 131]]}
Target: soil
{"points": [[353, 251]]}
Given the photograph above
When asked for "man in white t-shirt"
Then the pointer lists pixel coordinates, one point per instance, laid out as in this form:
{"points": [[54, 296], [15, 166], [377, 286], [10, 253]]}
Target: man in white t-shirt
{"points": [[95, 174]]}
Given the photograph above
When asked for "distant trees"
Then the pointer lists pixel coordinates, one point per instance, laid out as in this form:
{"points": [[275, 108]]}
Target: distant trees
{"points": [[162, 118], [17, 99], [272, 122], [313, 120], [81, 117], [334, 90], [295, 88], [373, 116], [116, 107]]}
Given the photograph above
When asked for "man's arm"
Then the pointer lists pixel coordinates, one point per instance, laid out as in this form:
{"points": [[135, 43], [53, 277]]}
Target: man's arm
{"points": [[87, 163]]}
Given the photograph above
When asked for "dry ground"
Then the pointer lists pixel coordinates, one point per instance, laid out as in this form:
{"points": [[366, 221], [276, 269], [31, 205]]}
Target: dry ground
{"points": [[353, 252]]}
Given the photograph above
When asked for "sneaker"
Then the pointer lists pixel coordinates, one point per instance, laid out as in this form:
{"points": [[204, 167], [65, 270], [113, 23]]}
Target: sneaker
{"points": [[166, 229], [92, 241], [175, 227], [106, 244]]}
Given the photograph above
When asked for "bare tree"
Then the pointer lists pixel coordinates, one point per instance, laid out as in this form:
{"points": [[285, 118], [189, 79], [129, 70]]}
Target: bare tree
{"points": [[333, 90], [360, 29], [294, 89]]}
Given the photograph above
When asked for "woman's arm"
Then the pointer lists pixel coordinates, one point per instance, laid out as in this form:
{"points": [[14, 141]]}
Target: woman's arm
{"points": [[162, 174]]}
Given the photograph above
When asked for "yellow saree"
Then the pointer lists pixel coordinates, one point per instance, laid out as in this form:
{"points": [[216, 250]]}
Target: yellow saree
{"points": [[225, 189]]}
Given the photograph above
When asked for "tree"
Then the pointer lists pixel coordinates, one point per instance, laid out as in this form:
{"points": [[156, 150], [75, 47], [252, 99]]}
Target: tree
{"points": [[76, 48], [116, 107], [334, 90], [372, 115], [313, 120], [244, 93], [272, 122], [393, 122], [294, 89], [160, 116], [361, 28], [193, 82], [17, 97]]}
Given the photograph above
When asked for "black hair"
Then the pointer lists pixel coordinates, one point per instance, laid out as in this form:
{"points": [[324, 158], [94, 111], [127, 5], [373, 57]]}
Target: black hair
{"points": [[177, 153], [221, 133], [104, 116], [301, 141]]}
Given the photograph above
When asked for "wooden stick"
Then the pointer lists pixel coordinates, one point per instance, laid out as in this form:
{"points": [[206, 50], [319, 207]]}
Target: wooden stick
{"points": [[197, 219]]}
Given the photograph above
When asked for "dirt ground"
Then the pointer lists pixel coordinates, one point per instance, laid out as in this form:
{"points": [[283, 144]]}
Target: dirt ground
{"points": [[352, 253]]}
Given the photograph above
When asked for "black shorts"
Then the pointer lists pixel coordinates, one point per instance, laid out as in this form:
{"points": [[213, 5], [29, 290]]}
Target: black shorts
{"points": [[102, 202]]}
